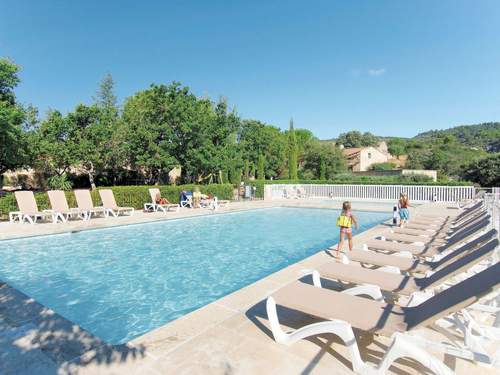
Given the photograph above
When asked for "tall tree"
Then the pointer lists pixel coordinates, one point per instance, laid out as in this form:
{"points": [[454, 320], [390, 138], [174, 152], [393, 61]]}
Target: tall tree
{"points": [[92, 138], [292, 152], [105, 96], [12, 116], [257, 138]]}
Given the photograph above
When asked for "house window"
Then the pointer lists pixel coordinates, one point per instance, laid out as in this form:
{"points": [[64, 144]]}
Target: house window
{"points": [[369, 155]]}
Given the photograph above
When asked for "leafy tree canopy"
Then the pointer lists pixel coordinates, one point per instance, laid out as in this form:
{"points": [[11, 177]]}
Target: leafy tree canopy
{"points": [[485, 171], [357, 139], [13, 150]]}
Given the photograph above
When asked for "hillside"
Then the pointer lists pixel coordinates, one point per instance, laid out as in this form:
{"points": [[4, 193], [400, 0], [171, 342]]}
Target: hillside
{"points": [[485, 136]]}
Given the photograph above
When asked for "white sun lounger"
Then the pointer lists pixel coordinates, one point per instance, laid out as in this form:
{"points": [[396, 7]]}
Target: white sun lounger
{"points": [[109, 203], [344, 311], [154, 193], [28, 209], [411, 264], [85, 203], [60, 206], [402, 284], [388, 242]]}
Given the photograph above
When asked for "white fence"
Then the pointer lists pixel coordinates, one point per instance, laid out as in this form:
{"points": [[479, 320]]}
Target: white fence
{"points": [[418, 193]]}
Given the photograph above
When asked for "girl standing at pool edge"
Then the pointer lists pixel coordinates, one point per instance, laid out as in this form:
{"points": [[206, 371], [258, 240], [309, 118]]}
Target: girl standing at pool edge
{"points": [[345, 222], [404, 213]]}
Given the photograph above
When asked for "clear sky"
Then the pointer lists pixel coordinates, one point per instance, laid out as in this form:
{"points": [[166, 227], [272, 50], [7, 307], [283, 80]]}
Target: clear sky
{"points": [[388, 67]]}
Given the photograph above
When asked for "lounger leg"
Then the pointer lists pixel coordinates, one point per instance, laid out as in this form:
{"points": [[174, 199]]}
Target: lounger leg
{"points": [[28, 219], [403, 347]]}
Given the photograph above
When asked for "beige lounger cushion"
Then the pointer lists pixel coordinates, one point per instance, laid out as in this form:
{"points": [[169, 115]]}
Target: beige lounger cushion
{"points": [[391, 282], [417, 232], [411, 239], [361, 313], [84, 200], [397, 247], [378, 259]]}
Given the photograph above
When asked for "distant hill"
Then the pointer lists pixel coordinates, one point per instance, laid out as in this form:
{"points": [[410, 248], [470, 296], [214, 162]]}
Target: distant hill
{"points": [[485, 136]]}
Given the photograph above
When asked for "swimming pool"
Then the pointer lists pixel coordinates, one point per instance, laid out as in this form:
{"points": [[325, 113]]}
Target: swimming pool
{"points": [[122, 282]]}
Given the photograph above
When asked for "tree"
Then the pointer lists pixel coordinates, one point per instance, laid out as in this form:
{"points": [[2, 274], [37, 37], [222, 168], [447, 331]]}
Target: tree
{"points": [[304, 137], [53, 143], [323, 160], [356, 139], [152, 129], [92, 139], [292, 153], [256, 138], [214, 143], [12, 117], [105, 97], [396, 147], [485, 171]]}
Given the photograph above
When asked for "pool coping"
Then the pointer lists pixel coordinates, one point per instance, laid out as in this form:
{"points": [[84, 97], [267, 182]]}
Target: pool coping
{"points": [[160, 342]]}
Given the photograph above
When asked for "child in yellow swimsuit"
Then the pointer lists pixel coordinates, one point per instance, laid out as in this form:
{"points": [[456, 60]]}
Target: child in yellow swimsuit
{"points": [[345, 222]]}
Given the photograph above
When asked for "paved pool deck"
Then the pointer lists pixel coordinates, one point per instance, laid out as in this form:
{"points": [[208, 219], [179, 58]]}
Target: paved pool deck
{"points": [[228, 336]]}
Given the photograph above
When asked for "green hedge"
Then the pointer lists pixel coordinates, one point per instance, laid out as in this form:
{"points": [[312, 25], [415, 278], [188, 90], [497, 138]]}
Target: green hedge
{"points": [[130, 196]]}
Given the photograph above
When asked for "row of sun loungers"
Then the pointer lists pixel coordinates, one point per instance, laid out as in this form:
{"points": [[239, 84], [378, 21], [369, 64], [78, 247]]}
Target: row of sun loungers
{"points": [[443, 275], [60, 210]]}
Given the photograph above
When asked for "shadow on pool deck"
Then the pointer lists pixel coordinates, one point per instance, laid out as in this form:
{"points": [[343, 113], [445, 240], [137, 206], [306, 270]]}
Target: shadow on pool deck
{"points": [[36, 340]]}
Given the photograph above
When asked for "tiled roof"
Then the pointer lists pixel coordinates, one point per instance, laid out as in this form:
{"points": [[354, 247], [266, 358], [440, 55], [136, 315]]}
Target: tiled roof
{"points": [[351, 151]]}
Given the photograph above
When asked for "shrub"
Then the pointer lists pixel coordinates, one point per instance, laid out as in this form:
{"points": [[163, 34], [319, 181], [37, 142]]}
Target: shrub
{"points": [[382, 166], [59, 183], [131, 196]]}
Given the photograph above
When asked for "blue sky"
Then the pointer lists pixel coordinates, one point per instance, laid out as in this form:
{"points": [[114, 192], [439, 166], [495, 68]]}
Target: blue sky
{"points": [[389, 67]]}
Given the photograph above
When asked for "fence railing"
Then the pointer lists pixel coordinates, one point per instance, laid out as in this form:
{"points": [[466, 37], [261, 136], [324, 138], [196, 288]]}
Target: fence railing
{"points": [[418, 193]]}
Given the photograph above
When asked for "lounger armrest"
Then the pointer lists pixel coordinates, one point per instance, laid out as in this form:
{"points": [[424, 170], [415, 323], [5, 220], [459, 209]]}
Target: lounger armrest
{"points": [[416, 298], [390, 269], [370, 290], [404, 254], [315, 276]]}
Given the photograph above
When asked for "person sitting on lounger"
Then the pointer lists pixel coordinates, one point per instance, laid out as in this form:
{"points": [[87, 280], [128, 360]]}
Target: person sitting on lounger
{"points": [[345, 222], [160, 200]]}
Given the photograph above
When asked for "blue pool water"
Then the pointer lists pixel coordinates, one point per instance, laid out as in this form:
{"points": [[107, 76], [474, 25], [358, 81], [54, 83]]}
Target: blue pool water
{"points": [[122, 282]]}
